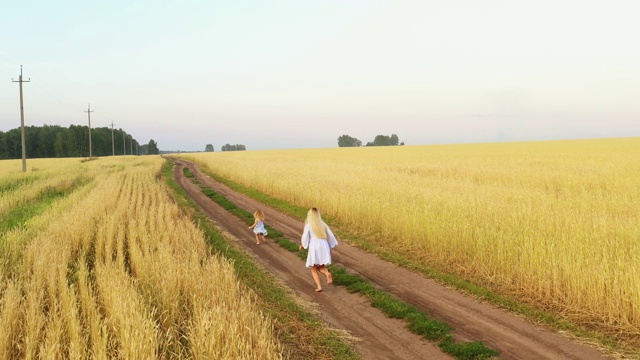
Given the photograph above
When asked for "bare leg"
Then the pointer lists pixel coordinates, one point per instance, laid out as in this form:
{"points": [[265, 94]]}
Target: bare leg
{"points": [[262, 238], [316, 278], [323, 269], [257, 239]]}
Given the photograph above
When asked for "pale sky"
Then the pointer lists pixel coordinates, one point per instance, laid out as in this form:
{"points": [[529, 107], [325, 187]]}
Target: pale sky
{"points": [[300, 73]]}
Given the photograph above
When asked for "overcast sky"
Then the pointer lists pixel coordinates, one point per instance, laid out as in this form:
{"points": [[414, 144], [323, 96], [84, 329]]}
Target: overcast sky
{"points": [[300, 73]]}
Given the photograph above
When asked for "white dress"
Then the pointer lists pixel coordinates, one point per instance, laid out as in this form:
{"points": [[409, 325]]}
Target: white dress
{"points": [[260, 229], [319, 249]]}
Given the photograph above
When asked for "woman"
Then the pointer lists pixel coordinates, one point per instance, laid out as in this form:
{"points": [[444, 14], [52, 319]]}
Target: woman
{"points": [[319, 240]]}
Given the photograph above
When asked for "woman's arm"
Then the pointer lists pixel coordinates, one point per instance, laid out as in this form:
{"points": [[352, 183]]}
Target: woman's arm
{"points": [[331, 238], [306, 237]]}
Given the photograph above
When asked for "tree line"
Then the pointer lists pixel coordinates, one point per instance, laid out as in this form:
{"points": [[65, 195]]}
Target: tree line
{"points": [[52, 141], [380, 140]]}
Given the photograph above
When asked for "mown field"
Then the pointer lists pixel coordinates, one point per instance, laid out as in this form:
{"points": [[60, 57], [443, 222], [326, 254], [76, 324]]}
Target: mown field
{"points": [[553, 224], [98, 261]]}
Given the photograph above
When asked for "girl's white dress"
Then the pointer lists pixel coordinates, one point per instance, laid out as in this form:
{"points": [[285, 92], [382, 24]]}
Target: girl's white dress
{"points": [[259, 228], [319, 249]]}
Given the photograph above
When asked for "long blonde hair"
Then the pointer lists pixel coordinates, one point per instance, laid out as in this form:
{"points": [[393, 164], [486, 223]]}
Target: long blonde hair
{"points": [[259, 215], [318, 227]]}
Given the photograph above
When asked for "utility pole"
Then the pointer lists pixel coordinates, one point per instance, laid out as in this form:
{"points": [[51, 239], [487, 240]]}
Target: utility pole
{"points": [[24, 146], [89, 111], [113, 144]]}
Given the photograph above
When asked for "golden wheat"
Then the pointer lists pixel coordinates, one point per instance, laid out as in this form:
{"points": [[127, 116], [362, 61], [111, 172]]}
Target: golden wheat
{"points": [[17, 188], [554, 222], [113, 269]]}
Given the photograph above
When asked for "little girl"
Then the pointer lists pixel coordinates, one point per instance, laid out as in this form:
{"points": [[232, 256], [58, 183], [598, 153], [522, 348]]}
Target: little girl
{"points": [[258, 226]]}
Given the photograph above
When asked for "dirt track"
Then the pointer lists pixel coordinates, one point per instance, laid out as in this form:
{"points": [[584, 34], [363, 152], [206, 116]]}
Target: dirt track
{"points": [[381, 337]]}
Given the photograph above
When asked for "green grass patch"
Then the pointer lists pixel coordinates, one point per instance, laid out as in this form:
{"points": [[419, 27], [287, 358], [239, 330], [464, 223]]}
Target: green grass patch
{"points": [[19, 215], [418, 322], [10, 185], [465, 351], [304, 336]]}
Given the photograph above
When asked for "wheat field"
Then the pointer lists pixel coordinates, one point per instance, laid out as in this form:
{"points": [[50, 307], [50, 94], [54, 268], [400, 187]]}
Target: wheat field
{"points": [[553, 223], [97, 261]]}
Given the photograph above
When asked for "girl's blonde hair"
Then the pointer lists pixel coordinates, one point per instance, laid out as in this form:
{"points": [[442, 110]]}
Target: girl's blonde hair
{"points": [[258, 214], [318, 227]]}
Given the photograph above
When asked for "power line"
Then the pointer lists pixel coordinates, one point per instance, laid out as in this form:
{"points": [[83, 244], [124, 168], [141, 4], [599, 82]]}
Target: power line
{"points": [[24, 146]]}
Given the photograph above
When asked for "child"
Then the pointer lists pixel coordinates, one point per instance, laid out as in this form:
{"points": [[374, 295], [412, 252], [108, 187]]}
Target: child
{"points": [[319, 239], [258, 226]]}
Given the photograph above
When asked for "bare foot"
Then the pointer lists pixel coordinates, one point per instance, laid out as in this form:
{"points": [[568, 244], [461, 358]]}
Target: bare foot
{"points": [[329, 279], [318, 290]]}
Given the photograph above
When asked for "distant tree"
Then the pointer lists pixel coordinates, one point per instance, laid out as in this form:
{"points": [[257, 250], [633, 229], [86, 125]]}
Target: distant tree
{"points": [[348, 141], [381, 140], [11, 144], [46, 140], [58, 145], [208, 148], [384, 140], [237, 147], [78, 141], [152, 148]]}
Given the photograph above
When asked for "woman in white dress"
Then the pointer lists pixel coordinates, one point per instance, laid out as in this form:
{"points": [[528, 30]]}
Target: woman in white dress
{"points": [[319, 240]]}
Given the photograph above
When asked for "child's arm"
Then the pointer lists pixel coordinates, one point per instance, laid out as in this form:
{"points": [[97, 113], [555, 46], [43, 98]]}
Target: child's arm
{"points": [[254, 224]]}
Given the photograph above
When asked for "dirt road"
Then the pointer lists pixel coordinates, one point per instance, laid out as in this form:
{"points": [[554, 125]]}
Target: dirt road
{"points": [[381, 337]]}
